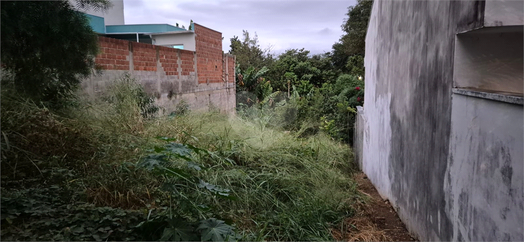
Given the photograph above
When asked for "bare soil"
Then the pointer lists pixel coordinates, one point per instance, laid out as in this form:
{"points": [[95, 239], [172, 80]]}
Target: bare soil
{"points": [[375, 220]]}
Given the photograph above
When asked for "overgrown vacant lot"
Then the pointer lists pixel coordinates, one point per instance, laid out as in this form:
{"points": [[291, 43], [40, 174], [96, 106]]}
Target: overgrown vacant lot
{"points": [[101, 171]]}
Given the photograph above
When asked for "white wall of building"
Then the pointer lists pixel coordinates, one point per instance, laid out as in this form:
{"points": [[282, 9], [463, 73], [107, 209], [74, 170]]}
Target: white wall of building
{"points": [[112, 16], [187, 39]]}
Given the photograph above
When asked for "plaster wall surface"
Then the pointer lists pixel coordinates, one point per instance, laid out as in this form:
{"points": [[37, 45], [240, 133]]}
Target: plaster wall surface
{"points": [[490, 59], [504, 13], [407, 113], [186, 39], [484, 179], [169, 91], [112, 16], [358, 138]]}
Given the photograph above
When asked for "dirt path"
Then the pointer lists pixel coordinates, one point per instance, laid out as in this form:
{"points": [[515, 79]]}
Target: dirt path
{"points": [[375, 221]]}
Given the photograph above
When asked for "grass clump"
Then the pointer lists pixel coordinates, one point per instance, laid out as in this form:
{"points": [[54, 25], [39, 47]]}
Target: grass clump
{"points": [[108, 170], [287, 188]]}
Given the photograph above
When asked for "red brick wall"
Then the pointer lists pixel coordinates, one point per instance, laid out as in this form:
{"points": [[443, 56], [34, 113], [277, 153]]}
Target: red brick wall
{"points": [[182, 69], [211, 62], [209, 54], [144, 57], [188, 62], [169, 60], [114, 54]]}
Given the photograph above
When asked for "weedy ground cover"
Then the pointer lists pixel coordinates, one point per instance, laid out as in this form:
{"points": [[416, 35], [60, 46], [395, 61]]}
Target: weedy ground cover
{"points": [[105, 169]]}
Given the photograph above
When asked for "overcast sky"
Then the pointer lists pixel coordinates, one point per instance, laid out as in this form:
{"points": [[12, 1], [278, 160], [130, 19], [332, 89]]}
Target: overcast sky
{"points": [[281, 25]]}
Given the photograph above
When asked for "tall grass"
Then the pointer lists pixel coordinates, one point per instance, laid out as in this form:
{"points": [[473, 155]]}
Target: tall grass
{"points": [[283, 187], [288, 188]]}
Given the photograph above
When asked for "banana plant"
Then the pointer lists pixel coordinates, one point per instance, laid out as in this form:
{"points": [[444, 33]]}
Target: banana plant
{"points": [[249, 80]]}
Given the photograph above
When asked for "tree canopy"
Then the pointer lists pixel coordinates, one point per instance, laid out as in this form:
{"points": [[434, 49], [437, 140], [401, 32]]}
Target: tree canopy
{"points": [[352, 43], [47, 46], [248, 52], [322, 90]]}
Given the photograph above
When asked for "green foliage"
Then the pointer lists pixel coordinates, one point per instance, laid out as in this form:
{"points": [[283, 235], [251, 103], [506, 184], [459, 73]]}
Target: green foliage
{"points": [[355, 65], [279, 179], [48, 47], [188, 177], [179, 170], [330, 108], [108, 169], [328, 126], [352, 43], [97, 5], [54, 213], [182, 108], [251, 81], [215, 230], [296, 71], [296, 66], [355, 27], [126, 93], [248, 52]]}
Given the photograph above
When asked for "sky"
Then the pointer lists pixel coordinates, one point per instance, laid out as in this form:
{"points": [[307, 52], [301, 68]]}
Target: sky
{"points": [[279, 24]]}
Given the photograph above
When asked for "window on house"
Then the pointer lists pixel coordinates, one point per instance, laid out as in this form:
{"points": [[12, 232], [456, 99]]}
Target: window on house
{"points": [[177, 46]]}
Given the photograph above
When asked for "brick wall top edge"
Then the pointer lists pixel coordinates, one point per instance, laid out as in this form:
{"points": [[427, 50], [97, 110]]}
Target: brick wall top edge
{"points": [[145, 45], [168, 49], [186, 51], [112, 40], [205, 28]]}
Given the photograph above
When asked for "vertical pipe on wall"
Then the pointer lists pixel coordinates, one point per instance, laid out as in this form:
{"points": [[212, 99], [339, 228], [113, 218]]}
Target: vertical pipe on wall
{"points": [[137, 40]]}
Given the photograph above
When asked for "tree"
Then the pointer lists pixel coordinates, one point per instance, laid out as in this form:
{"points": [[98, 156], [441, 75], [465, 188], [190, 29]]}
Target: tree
{"points": [[248, 52], [299, 69], [47, 46], [353, 41], [355, 65], [356, 26]]}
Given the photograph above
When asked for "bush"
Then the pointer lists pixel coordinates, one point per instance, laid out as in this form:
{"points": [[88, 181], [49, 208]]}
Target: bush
{"points": [[111, 174], [48, 47]]}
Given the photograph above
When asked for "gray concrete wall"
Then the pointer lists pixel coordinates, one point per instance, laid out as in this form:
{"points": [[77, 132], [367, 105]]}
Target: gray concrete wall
{"points": [[408, 112], [484, 178], [358, 136], [504, 13], [169, 91], [490, 59]]}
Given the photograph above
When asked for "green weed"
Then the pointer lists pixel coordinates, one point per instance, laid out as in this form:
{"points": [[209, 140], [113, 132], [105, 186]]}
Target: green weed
{"points": [[192, 176]]}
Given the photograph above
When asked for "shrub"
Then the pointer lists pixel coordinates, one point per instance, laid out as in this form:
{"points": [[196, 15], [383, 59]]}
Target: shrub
{"points": [[48, 46], [189, 177]]}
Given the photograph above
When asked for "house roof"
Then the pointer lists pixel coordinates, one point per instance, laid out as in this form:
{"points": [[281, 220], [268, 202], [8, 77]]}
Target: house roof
{"points": [[143, 28]]}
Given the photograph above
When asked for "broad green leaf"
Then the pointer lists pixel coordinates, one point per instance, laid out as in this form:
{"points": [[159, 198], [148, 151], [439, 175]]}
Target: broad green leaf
{"points": [[77, 230], [197, 150], [214, 230], [179, 230], [176, 172], [179, 150], [178, 234], [194, 165], [152, 161]]}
